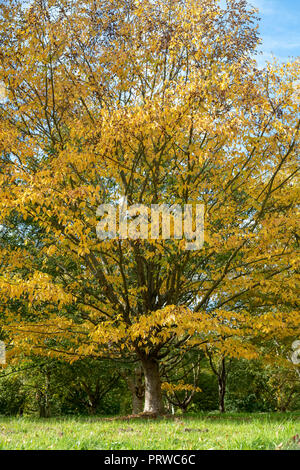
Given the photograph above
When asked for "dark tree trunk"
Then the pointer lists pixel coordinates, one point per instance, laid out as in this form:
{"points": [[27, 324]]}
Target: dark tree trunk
{"points": [[222, 386], [44, 398], [93, 398], [138, 391], [134, 380], [44, 406], [92, 407], [137, 404], [222, 392], [153, 395], [221, 371]]}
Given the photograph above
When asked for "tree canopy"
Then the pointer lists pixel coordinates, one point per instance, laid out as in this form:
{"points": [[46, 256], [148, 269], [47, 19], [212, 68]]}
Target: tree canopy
{"points": [[162, 103]]}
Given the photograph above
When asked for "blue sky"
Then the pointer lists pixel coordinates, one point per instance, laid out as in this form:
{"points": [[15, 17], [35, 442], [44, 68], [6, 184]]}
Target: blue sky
{"points": [[279, 28]]}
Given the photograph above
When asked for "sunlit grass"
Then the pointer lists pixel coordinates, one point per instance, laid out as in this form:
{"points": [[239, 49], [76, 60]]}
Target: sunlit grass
{"points": [[207, 431]]}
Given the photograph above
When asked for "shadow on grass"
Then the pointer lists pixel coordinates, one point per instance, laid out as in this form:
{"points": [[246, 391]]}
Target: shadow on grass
{"points": [[230, 418]]}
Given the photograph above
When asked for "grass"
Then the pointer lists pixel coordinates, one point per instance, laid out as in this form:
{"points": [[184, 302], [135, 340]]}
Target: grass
{"points": [[257, 431]]}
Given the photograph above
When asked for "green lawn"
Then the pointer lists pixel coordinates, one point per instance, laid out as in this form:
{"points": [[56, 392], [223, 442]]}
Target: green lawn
{"points": [[205, 431]]}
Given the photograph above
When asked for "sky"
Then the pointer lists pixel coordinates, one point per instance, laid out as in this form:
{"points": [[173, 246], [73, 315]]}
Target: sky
{"points": [[279, 28]]}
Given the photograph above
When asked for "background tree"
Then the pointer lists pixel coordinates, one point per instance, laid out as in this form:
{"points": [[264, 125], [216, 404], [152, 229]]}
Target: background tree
{"points": [[220, 367], [181, 377], [135, 382]]}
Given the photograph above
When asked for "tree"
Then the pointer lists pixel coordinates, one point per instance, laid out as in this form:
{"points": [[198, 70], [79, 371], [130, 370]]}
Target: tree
{"points": [[135, 383], [87, 383], [159, 103], [220, 368], [182, 377]]}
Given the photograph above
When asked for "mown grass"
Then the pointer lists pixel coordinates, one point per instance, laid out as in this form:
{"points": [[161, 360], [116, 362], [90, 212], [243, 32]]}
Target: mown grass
{"points": [[259, 431]]}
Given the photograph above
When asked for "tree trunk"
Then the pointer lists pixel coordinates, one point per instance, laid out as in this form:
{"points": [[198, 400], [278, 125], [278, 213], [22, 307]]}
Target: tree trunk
{"points": [[44, 398], [222, 385], [138, 395], [44, 406], [221, 397], [92, 408], [138, 391], [135, 384], [153, 395], [137, 404]]}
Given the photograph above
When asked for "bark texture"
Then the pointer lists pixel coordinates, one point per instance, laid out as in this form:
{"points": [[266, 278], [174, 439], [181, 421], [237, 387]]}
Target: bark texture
{"points": [[153, 395]]}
